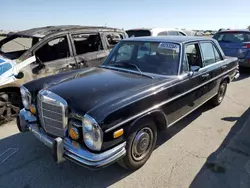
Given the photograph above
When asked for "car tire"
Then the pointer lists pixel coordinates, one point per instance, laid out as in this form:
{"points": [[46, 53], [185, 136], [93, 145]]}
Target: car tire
{"points": [[140, 144], [9, 106], [217, 100]]}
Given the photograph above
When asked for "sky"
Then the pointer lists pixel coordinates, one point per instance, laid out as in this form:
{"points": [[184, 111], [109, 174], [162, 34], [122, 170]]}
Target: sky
{"points": [[126, 14]]}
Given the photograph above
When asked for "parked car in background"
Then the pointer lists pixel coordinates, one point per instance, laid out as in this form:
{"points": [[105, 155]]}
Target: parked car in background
{"points": [[55, 49], [141, 32], [235, 43], [145, 85], [189, 32]]}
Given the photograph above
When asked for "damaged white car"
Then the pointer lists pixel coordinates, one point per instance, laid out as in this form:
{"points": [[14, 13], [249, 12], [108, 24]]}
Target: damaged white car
{"points": [[11, 77]]}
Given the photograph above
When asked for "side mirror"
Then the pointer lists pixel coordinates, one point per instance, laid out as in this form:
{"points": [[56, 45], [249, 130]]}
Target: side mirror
{"points": [[20, 75], [193, 70]]}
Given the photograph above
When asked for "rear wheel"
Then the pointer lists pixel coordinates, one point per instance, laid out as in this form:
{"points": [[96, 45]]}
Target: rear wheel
{"points": [[220, 95], [9, 106], [140, 144]]}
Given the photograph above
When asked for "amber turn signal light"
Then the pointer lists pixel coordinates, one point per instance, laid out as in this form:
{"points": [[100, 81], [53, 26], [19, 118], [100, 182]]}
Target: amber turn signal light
{"points": [[73, 133], [118, 133], [32, 109]]}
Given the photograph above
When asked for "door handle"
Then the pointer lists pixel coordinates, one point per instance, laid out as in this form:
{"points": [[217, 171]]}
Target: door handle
{"points": [[224, 66], [205, 75]]}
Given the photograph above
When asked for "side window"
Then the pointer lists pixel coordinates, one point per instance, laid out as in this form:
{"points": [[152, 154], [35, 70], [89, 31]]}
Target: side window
{"points": [[172, 33], [216, 54], [122, 35], [193, 55], [85, 43], [112, 39], [208, 53], [124, 53], [57, 48], [164, 33]]}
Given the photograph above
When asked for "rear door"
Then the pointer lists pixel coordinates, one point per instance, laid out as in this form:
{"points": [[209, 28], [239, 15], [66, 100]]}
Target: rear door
{"points": [[232, 41], [110, 39], [212, 66], [88, 48]]}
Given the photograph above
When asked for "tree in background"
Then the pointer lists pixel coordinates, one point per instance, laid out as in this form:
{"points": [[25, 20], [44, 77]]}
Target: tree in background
{"points": [[248, 27]]}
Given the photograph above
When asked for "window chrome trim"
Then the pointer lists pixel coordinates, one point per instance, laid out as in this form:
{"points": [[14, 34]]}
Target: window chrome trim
{"points": [[166, 101]]}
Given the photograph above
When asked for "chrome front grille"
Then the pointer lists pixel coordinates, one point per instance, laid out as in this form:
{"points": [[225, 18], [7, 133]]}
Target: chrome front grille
{"points": [[52, 113]]}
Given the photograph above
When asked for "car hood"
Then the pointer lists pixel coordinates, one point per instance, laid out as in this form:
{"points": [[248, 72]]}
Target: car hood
{"points": [[93, 87]]}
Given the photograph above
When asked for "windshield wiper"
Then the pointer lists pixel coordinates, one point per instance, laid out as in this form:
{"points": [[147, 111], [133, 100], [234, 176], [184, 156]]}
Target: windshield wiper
{"points": [[132, 65]]}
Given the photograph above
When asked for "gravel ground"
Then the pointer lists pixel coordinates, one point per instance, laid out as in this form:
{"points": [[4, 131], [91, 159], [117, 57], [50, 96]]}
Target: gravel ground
{"points": [[180, 155]]}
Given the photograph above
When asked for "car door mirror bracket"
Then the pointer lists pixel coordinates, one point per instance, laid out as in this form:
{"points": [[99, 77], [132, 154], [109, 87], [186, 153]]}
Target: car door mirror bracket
{"points": [[193, 69]]}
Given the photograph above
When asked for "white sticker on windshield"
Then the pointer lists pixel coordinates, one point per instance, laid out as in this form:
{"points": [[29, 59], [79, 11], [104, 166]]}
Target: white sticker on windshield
{"points": [[169, 46]]}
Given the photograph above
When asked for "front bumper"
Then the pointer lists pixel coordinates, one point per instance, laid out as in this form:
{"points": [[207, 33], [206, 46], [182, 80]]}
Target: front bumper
{"points": [[64, 148]]}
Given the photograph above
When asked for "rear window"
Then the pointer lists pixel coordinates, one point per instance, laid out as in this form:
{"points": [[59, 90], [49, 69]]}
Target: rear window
{"points": [[235, 37], [138, 33]]}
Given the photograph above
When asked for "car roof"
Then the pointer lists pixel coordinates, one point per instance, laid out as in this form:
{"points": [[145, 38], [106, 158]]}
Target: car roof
{"points": [[233, 30], [175, 39], [41, 32], [155, 29]]}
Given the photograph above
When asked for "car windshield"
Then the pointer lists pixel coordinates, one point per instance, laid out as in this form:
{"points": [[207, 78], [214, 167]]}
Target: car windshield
{"points": [[147, 57], [15, 45], [138, 33], [232, 37]]}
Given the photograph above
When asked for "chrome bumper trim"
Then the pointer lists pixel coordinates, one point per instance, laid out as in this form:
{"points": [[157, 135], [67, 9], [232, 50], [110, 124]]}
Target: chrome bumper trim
{"points": [[93, 160], [237, 75], [64, 148]]}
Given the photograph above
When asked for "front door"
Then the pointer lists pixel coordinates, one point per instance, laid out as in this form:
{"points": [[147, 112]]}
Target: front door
{"points": [[53, 56], [188, 91], [89, 49]]}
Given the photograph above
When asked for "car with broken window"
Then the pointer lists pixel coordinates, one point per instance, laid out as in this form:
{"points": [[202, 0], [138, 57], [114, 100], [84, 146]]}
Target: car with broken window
{"points": [[100, 115], [51, 50]]}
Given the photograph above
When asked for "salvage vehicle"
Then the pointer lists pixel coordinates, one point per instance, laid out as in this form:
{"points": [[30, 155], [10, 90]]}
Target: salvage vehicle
{"points": [[235, 43], [56, 49], [100, 115], [153, 32]]}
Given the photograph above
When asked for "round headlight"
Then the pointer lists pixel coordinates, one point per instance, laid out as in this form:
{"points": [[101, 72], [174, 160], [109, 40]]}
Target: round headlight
{"points": [[26, 97], [92, 133], [87, 125], [88, 140]]}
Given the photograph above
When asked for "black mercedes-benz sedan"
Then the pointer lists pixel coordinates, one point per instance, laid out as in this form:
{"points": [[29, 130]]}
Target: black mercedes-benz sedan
{"points": [[97, 116]]}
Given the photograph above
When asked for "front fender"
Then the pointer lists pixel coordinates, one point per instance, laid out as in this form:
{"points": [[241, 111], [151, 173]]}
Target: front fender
{"points": [[158, 116]]}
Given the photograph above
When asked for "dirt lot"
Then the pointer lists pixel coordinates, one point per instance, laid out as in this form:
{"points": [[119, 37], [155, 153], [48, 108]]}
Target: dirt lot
{"points": [[181, 151]]}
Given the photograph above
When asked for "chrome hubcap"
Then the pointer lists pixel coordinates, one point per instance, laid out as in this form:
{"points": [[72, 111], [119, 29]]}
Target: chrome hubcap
{"points": [[142, 143], [222, 92]]}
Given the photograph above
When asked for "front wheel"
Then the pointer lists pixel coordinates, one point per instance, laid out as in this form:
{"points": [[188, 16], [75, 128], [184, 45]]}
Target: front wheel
{"points": [[9, 106], [140, 144], [217, 100]]}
